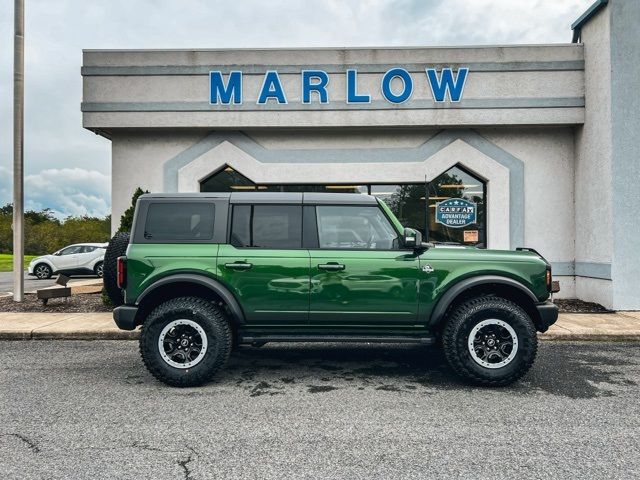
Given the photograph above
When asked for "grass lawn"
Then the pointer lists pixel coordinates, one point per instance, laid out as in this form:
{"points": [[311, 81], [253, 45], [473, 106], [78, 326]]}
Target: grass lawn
{"points": [[6, 261]]}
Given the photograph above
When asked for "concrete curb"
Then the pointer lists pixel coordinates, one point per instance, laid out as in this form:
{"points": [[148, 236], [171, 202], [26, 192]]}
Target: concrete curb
{"points": [[619, 327], [135, 335]]}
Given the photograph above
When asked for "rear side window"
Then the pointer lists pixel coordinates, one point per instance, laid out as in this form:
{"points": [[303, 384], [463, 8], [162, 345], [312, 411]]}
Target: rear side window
{"points": [[87, 249], [181, 221], [267, 226]]}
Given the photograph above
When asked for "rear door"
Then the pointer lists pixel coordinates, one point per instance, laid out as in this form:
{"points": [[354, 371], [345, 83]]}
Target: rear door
{"points": [[86, 256], [359, 275], [265, 265]]}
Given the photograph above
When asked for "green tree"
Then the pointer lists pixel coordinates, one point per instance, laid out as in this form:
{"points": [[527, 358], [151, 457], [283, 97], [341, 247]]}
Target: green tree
{"points": [[45, 234], [126, 220]]}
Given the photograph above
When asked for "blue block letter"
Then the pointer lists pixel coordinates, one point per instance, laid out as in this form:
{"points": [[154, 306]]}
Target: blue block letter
{"points": [[319, 86], [446, 83], [271, 88], [406, 81], [219, 93], [352, 89]]}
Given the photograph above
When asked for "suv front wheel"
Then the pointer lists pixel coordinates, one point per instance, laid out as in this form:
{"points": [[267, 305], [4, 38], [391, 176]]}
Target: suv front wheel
{"points": [[490, 341], [185, 341]]}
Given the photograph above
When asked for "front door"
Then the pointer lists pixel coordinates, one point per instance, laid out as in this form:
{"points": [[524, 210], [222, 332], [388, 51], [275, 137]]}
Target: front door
{"points": [[67, 258], [359, 276], [265, 265]]}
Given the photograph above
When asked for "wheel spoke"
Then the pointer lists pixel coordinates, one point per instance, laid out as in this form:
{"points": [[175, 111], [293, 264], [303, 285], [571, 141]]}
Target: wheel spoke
{"points": [[492, 343], [182, 343]]}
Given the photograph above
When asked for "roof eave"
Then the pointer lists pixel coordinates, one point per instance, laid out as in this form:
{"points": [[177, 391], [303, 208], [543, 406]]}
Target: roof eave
{"points": [[585, 17]]}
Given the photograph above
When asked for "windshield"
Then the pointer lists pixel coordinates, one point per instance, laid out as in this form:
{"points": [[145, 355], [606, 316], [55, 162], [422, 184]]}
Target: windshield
{"points": [[394, 220]]}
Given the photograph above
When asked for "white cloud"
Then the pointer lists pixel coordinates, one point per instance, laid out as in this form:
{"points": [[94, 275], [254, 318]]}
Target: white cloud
{"points": [[66, 191], [56, 32]]}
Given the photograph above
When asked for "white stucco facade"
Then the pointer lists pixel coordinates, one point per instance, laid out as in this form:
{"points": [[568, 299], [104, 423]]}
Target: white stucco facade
{"points": [[533, 122]]}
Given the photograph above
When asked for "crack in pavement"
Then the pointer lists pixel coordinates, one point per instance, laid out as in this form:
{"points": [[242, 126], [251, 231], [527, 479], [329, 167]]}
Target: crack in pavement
{"points": [[33, 446], [184, 464]]}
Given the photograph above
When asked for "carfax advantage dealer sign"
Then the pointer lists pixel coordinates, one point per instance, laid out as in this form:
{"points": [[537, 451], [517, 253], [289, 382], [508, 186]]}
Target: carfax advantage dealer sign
{"points": [[456, 212], [446, 84]]}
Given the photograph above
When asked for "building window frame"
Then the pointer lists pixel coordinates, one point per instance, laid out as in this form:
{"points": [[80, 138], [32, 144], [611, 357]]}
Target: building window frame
{"points": [[368, 189]]}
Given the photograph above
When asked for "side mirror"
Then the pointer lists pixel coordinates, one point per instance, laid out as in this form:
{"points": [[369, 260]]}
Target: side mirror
{"points": [[412, 238]]}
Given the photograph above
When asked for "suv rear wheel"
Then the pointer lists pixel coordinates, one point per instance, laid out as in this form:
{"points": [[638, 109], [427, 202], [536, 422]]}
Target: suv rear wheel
{"points": [[185, 341], [490, 341]]}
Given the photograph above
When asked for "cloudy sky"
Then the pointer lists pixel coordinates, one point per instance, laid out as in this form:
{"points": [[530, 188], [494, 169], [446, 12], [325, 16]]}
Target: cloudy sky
{"points": [[68, 168]]}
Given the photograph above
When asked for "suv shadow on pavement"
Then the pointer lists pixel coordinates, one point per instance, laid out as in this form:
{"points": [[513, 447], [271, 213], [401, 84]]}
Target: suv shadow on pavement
{"points": [[279, 369]]}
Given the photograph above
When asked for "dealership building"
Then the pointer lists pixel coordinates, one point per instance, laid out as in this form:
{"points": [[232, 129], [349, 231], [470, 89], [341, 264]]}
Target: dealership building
{"points": [[493, 146]]}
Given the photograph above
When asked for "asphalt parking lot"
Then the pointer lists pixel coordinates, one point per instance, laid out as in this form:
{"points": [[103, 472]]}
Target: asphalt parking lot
{"points": [[75, 409], [31, 284]]}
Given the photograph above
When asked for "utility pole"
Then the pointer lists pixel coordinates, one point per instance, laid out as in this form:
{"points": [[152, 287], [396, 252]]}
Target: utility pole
{"points": [[18, 152]]}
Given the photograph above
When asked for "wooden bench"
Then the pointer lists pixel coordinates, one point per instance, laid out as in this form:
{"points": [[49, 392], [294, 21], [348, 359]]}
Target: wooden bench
{"points": [[57, 291]]}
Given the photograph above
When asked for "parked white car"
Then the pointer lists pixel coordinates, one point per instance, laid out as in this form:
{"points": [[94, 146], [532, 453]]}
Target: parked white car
{"points": [[78, 259]]}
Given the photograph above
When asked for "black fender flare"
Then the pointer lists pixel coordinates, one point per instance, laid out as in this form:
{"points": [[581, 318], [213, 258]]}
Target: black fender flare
{"points": [[443, 303], [214, 285]]}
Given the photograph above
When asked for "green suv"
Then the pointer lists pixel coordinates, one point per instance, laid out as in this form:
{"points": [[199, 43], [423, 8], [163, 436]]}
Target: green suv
{"points": [[203, 273]]}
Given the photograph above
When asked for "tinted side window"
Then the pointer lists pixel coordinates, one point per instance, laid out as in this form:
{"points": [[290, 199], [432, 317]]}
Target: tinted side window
{"points": [[267, 226], [355, 227], [241, 226], [179, 221], [87, 249]]}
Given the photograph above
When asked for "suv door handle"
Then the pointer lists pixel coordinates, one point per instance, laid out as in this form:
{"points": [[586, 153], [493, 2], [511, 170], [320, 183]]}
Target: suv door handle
{"points": [[238, 266], [331, 266]]}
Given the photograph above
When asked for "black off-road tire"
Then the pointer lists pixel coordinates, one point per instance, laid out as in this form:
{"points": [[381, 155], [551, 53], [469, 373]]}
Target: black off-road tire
{"points": [[117, 247], [210, 318], [465, 317]]}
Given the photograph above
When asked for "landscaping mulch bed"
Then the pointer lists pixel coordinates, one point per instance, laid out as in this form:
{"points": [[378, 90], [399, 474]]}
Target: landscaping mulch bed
{"points": [[81, 303], [573, 305]]}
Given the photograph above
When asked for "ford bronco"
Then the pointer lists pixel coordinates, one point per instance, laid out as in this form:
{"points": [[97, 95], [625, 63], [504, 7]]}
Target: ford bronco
{"points": [[203, 273]]}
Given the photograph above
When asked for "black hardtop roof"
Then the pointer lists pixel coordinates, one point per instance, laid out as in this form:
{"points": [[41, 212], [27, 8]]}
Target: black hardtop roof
{"points": [[271, 197]]}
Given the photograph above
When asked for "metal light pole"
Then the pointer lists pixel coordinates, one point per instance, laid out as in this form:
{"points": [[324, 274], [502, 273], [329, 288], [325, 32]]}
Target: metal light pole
{"points": [[18, 152]]}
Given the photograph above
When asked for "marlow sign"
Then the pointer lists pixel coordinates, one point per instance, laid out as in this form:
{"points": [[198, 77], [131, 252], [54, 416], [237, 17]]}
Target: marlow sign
{"points": [[443, 85]]}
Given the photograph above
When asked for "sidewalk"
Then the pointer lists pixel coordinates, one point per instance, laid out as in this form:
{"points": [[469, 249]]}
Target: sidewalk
{"points": [[620, 326]]}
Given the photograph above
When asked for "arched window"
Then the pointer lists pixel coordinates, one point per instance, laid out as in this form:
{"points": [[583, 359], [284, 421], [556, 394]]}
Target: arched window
{"points": [[457, 208], [229, 180], [226, 180], [446, 222]]}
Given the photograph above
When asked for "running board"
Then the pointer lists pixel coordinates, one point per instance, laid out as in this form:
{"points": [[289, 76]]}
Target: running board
{"points": [[262, 339]]}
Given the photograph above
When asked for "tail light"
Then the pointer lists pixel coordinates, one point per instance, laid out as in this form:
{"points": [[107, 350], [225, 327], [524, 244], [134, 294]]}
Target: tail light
{"points": [[122, 272]]}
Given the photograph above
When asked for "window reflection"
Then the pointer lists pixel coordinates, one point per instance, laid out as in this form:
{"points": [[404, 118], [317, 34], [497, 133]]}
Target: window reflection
{"points": [[458, 183], [407, 201]]}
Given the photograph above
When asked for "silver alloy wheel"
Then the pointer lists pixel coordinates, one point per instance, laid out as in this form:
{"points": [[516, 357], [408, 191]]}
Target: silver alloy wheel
{"points": [[100, 270], [42, 272], [182, 343], [493, 343]]}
